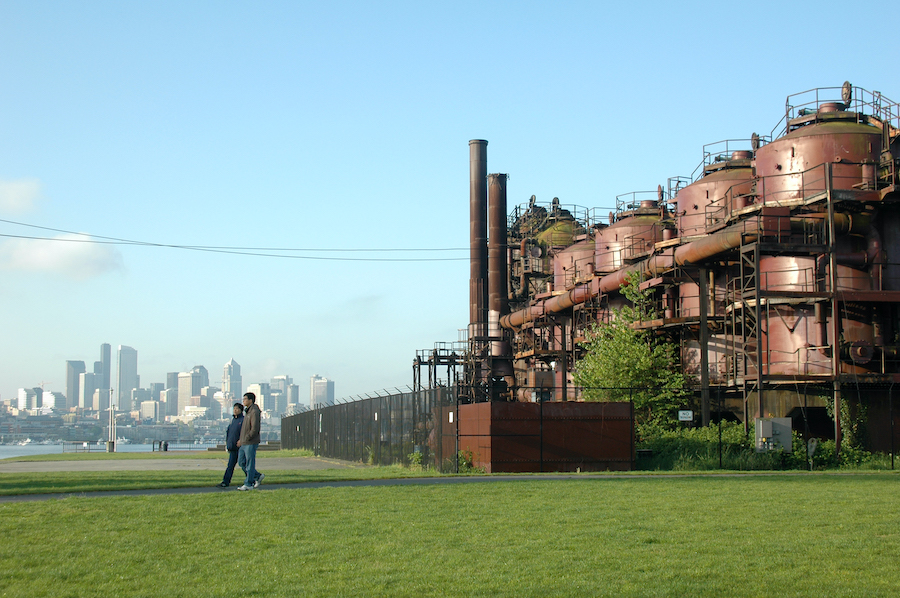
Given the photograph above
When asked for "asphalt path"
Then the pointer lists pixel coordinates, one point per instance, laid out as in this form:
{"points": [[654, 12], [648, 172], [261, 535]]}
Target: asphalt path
{"points": [[20, 498], [268, 463]]}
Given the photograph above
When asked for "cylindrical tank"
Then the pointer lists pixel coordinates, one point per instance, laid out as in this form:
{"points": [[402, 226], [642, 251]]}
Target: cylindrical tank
{"points": [[790, 164], [797, 342], [574, 263], [633, 234], [710, 195]]}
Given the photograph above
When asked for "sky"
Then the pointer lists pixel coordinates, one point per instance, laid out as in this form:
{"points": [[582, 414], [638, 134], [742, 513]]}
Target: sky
{"points": [[329, 142]]}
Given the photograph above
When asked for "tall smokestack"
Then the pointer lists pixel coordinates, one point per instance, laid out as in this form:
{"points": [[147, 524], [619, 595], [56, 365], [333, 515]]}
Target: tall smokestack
{"points": [[498, 291], [478, 258]]}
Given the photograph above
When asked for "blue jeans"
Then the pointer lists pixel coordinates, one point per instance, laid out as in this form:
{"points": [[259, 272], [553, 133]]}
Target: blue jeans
{"points": [[247, 461], [229, 469]]}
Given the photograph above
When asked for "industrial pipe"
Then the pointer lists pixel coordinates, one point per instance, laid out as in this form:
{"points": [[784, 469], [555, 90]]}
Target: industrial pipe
{"points": [[689, 253]]}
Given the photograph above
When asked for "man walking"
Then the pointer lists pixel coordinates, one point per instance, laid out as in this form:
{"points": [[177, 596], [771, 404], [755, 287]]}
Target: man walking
{"points": [[232, 438], [248, 443]]}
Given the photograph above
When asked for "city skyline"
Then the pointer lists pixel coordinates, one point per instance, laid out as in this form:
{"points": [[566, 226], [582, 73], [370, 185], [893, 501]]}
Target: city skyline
{"points": [[188, 384]]}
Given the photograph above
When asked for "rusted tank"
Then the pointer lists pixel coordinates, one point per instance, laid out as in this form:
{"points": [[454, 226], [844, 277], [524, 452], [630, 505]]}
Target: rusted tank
{"points": [[573, 264], [792, 166], [797, 336], [689, 297], [630, 236], [720, 191]]}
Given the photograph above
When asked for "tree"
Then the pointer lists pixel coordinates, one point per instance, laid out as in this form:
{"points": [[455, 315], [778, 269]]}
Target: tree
{"points": [[625, 363]]}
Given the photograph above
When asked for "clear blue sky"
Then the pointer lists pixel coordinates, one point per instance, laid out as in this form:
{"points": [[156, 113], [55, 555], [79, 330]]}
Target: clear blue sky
{"points": [[345, 125]]}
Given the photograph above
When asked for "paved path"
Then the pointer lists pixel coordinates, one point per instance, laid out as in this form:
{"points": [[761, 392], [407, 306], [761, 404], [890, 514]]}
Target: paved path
{"points": [[307, 485]]}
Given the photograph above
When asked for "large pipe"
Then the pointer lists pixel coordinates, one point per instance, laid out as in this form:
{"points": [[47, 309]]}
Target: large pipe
{"points": [[687, 254], [477, 238]]}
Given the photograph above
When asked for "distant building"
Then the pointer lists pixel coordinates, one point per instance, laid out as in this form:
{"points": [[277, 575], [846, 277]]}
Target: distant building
{"points": [[203, 374], [172, 380], [138, 396], [188, 387], [293, 394], [278, 402], [54, 400], [150, 410], [30, 398], [321, 392], [224, 404], [100, 402], [105, 365], [86, 387], [281, 383], [74, 370], [168, 400], [263, 395], [231, 381], [126, 378], [208, 394], [156, 388]]}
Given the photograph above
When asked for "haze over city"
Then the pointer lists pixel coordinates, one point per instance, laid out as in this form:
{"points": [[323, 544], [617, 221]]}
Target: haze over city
{"points": [[287, 184]]}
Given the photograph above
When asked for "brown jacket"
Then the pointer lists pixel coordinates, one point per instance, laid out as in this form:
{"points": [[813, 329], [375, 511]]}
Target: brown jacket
{"points": [[250, 427]]}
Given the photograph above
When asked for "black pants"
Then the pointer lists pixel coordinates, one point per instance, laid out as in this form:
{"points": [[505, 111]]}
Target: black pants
{"points": [[229, 471]]}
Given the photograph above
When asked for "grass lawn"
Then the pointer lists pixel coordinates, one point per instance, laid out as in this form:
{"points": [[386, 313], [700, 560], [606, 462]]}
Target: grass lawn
{"points": [[798, 535], [99, 456]]}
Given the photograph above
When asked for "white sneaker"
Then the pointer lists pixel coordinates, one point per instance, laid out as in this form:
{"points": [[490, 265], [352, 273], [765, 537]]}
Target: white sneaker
{"points": [[259, 480], [245, 487]]}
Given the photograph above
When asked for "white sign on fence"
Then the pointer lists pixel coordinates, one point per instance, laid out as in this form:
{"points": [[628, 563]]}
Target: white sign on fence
{"points": [[685, 415]]}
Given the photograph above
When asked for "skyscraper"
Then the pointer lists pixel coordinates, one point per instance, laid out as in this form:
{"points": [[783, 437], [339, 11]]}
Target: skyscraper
{"points": [[281, 383], [188, 388], [86, 387], [172, 380], [232, 384], [126, 378], [293, 395], [74, 369], [156, 388], [101, 398], [204, 376], [321, 392], [105, 366]]}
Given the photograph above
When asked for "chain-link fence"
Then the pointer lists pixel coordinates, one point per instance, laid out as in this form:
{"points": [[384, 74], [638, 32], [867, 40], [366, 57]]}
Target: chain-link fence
{"points": [[413, 428]]}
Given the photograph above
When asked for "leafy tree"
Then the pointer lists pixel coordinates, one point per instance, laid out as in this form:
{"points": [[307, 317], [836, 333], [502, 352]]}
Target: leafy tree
{"points": [[625, 363]]}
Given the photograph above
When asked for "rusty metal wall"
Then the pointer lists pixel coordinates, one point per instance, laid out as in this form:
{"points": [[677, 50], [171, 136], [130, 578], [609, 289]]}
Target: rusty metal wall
{"points": [[549, 436]]}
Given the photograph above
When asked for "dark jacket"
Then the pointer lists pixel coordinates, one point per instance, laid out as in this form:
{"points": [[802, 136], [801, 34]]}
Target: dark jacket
{"points": [[233, 434], [250, 427]]}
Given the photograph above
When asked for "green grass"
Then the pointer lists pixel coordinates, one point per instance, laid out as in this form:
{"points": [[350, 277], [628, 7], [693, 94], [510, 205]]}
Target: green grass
{"points": [[796, 535], [92, 481]]}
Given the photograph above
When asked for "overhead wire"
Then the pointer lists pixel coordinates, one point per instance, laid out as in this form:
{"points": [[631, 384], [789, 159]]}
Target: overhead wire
{"points": [[247, 251]]}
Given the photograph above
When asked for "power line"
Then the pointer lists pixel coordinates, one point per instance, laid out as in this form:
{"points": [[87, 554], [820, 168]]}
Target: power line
{"points": [[247, 251]]}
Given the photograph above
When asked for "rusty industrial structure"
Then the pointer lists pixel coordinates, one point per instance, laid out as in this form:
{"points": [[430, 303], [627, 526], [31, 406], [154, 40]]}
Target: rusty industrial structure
{"points": [[775, 268]]}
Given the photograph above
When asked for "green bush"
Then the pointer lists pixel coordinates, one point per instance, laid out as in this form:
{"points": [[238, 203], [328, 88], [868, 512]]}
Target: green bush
{"points": [[415, 461], [466, 462], [687, 449], [692, 449]]}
